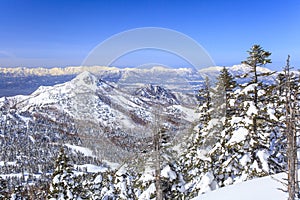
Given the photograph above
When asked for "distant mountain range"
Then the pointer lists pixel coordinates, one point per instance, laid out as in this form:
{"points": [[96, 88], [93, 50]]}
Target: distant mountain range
{"points": [[104, 70], [14, 81]]}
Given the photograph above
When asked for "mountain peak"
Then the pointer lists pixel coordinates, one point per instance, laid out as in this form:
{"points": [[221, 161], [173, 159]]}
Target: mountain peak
{"points": [[86, 79], [156, 92], [246, 68]]}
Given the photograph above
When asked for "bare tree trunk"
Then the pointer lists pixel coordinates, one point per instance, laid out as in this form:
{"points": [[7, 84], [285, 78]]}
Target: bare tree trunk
{"points": [[291, 136], [294, 117], [291, 164]]}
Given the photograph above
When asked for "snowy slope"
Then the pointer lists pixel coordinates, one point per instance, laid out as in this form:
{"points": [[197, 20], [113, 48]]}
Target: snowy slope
{"points": [[102, 113], [257, 189]]}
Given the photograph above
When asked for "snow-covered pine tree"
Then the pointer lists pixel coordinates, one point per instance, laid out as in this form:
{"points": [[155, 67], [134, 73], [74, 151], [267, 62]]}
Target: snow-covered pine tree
{"points": [[204, 98], [223, 111], [225, 87], [124, 184], [63, 185], [188, 159], [161, 178], [18, 193], [196, 166], [247, 143], [102, 186], [94, 184], [81, 189], [276, 108], [256, 90], [3, 189], [172, 183], [110, 184]]}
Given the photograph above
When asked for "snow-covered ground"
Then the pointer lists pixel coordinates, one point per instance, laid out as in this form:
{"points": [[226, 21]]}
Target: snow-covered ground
{"points": [[265, 188], [83, 150], [91, 168]]}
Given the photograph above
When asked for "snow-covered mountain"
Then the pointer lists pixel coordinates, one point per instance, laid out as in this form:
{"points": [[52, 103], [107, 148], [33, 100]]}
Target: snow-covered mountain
{"points": [[26, 80], [236, 71], [98, 109], [55, 71], [157, 93], [125, 72]]}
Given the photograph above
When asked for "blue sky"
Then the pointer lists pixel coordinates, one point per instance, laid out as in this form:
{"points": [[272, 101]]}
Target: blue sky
{"points": [[61, 33]]}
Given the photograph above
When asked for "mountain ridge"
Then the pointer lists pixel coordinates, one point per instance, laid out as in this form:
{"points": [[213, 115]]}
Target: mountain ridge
{"points": [[71, 70], [14, 81]]}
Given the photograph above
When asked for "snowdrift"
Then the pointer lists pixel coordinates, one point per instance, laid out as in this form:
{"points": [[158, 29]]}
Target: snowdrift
{"points": [[257, 189]]}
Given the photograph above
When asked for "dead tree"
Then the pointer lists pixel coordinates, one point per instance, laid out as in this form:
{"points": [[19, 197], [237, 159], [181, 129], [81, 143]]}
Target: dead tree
{"points": [[290, 122]]}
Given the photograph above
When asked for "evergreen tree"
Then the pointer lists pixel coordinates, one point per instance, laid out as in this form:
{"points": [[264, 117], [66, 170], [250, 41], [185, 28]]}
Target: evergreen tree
{"points": [[81, 188], [246, 143], [161, 178], [172, 183], [124, 183], [225, 87], [194, 161], [18, 193], [258, 57], [278, 136], [111, 184], [204, 98], [240, 126], [3, 189], [224, 107], [63, 185]]}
